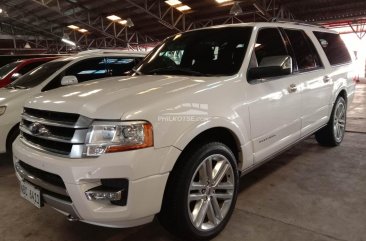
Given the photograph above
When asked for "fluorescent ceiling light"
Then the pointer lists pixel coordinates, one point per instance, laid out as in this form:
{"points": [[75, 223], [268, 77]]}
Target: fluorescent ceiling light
{"points": [[113, 18], [183, 8], [69, 42], [173, 2], [73, 27], [223, 1], [123, 22], [83, 30], [1, 10]]}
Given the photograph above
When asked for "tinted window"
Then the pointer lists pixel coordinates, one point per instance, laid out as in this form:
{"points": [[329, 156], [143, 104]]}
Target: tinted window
{"points": [[269, 43], [120, 66], [334, 48], [89, 69], [6, 69], [25, 69], [38, 75], [218, 51], [305, 53]]}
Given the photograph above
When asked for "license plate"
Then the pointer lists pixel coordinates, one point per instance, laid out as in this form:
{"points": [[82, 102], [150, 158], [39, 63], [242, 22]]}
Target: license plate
{"points": [[31, 193]]}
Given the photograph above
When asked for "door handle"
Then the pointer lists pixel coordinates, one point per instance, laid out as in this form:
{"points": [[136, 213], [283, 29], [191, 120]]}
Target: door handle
{"points": [[292, 88], [327, 79]]}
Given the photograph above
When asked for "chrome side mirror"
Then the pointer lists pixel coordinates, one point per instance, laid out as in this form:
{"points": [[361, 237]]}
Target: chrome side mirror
{"points": [[69, 80]]}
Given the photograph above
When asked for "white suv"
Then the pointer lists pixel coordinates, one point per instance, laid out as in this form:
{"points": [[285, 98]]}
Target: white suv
{"points": [[87, 65], [204, 108]]}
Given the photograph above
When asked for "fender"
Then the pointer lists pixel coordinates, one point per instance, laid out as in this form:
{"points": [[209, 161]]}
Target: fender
{"points": [[239, 131]]}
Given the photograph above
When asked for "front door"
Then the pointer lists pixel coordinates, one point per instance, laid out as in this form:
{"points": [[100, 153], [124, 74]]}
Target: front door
{"points": [[274, 102]]}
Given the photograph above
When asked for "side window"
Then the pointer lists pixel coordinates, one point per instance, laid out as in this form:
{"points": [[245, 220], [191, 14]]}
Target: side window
{"points": [[334, 48], [88, 69], [269, 44], [306, 56], [29, 67], [270, 57], [174, 55], [119, 66]]}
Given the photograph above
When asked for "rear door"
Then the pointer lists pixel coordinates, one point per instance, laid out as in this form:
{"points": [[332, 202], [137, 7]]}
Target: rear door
{"points": [[274, 102], [316, 85]]}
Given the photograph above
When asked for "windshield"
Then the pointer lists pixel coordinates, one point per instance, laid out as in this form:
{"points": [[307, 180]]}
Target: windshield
{"points": [[38, 75], [207, 52], [6, 69]]}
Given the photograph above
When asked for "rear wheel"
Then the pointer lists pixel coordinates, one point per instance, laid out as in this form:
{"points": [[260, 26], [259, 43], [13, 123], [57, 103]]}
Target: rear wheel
{"points": [[201, 193], [333, 133]]}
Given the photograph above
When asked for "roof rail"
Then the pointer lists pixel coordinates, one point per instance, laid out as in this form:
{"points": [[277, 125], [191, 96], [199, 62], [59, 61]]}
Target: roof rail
{"points": [[298, 22]]}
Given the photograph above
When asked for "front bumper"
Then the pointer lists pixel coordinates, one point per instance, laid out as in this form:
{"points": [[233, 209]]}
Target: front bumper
{"points": [[147, 171]]}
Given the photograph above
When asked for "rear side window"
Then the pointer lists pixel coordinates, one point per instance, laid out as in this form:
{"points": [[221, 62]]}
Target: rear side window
{"points": [[334, 48], [306, 56]]}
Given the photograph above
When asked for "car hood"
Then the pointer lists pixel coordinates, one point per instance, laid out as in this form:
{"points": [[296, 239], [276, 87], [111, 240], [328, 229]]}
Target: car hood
{"points": [[8, 96], [110, 98]]}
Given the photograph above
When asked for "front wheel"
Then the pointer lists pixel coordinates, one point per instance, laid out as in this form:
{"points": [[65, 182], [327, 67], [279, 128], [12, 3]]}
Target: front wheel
{"points": [[201, 193], [332, 134]]}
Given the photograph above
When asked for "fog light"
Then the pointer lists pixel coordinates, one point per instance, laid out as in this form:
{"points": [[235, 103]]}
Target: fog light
{"points": [[98, 194]]}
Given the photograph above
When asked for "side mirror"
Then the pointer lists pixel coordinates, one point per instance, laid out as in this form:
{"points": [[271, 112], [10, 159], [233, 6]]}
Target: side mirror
{"points": [[15, 76], [272, 67], [69, 80]]}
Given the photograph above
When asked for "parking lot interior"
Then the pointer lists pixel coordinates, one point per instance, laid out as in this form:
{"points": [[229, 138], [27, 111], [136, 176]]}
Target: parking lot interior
{"points": [[307, 193], [182, 120]]}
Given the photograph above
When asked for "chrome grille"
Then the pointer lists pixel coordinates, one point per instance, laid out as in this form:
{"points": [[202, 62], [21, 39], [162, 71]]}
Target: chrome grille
{"points": [[60, 133]]}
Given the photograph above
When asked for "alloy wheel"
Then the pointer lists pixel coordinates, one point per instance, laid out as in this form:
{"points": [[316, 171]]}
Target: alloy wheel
{"points": [[211, 192], [339, 123]]}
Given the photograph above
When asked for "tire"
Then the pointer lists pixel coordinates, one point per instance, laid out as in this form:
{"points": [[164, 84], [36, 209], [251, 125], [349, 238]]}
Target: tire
{"points": [[11, 138], [190, 192], [333, 133]]}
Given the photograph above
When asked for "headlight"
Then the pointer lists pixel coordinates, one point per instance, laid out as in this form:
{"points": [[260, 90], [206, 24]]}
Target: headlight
{"points": [[2, 110], [106, 137]]}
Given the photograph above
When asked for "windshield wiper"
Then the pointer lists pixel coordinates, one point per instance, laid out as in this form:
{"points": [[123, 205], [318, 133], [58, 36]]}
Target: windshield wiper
{"points": [[178, 69]]}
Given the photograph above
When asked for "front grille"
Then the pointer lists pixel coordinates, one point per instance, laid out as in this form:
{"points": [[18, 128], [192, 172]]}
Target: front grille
{"points": [[62, 132], [52, 115], [55, 132], [53, 146]]}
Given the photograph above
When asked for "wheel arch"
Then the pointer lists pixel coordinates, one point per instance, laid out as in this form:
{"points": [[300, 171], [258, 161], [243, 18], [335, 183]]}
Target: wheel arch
{"points": [[342, 93], [226, 132], [9, 136]]}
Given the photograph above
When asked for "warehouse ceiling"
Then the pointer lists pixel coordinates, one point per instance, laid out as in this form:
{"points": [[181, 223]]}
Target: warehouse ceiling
{"points": [[42, 23]]}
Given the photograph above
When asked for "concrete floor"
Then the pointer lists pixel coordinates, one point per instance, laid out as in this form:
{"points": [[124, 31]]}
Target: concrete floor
{"points": [[308, 193]]}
